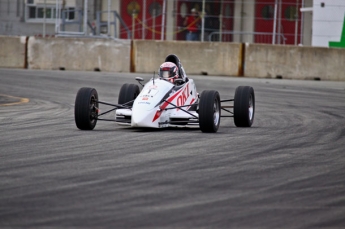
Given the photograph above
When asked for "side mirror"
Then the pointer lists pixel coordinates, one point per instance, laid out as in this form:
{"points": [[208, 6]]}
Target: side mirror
{"points": [[139, 79]]}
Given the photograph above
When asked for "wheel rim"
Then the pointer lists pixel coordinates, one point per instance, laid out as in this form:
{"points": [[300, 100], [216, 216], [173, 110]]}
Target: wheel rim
{"points": [[251, 108], [216, 112], [93, 109]]}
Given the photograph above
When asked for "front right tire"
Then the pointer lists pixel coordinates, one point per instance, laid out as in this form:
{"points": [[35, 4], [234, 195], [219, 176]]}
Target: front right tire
{"points": [[209, 111]]}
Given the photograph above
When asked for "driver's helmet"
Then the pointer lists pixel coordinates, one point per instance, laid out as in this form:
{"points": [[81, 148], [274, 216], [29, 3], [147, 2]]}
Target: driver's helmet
{"points": [[168, 71]]}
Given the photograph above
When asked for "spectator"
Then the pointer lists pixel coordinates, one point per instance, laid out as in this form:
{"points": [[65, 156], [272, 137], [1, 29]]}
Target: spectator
{"points": [[192, 24]]}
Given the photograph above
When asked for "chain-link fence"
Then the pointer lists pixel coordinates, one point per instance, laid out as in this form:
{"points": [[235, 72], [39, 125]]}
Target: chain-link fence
{"points": [[260, 21]]}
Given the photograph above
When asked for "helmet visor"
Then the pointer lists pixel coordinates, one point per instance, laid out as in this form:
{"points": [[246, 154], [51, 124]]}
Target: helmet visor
{"points": [[165, 74]]}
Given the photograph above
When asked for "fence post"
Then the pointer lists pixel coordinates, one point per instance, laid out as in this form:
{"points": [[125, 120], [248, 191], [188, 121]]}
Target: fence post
{"points": [[163, 20], [133, 24], [85, 17], [275, 22]]}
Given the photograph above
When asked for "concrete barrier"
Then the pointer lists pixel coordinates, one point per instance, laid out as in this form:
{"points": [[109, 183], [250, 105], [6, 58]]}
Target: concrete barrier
{"points": [[79, 54], [213, 58], [145, 56], [12, 52], [294, 62]]}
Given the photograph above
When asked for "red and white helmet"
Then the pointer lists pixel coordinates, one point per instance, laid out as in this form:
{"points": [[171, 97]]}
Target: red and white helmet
{"points": [[169, 71]]}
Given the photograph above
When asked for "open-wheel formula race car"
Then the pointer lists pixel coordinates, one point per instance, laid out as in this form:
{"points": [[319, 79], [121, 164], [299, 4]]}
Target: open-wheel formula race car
{"points": [[162, 103]]}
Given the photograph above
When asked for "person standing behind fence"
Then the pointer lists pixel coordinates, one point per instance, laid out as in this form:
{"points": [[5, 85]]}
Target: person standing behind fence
{"points": [[192, 24]]}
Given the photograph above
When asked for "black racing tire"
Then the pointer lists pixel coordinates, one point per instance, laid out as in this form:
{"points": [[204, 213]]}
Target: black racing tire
{"points": [[128, 92], [86, 108], [209, 111], [244, 106]]}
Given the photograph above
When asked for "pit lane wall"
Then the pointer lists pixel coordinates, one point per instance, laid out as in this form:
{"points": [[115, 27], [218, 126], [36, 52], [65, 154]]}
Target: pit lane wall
{"points": [[79, 54], [213, 58], [13, 52], [294, 62]]}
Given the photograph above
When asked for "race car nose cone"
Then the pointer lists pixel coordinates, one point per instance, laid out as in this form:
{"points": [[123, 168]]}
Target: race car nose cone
{"points": [[144, 119]]}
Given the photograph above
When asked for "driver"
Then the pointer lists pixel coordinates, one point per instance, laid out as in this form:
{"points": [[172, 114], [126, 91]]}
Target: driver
{"points": [[169, 71]]}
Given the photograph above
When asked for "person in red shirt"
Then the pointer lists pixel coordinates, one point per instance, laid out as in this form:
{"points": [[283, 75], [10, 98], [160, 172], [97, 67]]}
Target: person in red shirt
{"points": [[192, 24]]}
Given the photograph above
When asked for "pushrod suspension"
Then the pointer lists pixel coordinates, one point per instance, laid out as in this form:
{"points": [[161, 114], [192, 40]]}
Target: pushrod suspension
{"points": [[106, 112], [115, 105], [180, 108], [227, 110], [226, 100]]}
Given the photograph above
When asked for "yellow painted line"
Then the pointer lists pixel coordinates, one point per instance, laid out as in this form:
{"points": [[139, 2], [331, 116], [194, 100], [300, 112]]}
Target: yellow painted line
{"points": [[21, 100]]}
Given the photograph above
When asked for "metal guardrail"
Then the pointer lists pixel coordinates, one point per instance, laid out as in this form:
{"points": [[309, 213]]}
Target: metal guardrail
{"points": [[256, 37]]}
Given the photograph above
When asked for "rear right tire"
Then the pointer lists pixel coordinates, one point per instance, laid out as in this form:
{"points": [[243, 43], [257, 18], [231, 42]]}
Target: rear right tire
{"points": [[244, 106]]}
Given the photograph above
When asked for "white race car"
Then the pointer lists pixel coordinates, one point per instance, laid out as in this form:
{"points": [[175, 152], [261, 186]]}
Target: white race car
{"points": [[162, 104]]}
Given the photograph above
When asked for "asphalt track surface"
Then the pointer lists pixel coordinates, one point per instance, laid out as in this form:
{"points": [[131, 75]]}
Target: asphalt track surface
{"points": [[287, 171]]}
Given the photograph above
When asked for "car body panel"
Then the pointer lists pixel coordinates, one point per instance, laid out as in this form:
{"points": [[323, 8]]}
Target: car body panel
{"points": [[154, 106]]}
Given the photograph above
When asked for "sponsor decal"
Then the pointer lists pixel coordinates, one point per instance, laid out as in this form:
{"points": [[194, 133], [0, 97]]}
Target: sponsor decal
{"points": [[153, 87], [145, 98], [144, 103], [182, 98], [149, 93], [165, 104]]}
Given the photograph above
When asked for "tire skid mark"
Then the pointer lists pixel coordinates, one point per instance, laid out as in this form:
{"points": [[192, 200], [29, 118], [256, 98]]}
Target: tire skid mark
{"points": [[21, 100]]}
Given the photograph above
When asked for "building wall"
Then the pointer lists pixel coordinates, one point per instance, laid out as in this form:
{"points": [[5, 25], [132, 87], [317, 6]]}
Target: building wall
{"points": [[11, 17], [328, 21], [14, 18]]}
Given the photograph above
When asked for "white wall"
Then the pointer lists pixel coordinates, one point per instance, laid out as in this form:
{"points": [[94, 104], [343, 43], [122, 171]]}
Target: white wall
{"points": [[327, 21]]}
